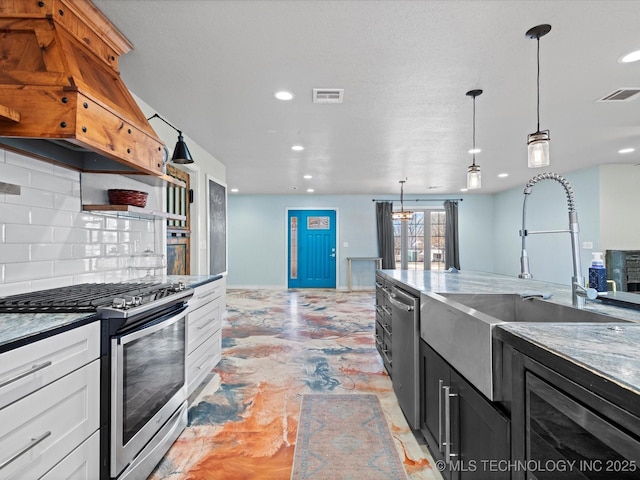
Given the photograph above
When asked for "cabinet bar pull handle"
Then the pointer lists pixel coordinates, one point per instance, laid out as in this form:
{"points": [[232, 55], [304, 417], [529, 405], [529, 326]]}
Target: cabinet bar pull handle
{"points": [[25, 449], [205, 295], [205, 362], [33, 369], [440, 387], [447, 424]]}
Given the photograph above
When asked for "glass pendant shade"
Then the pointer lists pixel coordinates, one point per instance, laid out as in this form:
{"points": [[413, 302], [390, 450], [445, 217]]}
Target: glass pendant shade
{"points": [[402, 215], [538, 148], [474, 177]]}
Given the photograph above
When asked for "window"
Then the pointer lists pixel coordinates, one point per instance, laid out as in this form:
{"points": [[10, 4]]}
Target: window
{"points": [[420, 240]]}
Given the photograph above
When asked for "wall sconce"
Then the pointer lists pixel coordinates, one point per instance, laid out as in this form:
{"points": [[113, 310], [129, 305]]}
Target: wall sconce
{"points": [[474, 176], [538, 142], [181, 152]]}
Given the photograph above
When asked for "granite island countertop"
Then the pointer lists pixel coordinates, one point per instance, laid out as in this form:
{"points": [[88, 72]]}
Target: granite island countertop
{"points": [[17, 329], [608, 351]]}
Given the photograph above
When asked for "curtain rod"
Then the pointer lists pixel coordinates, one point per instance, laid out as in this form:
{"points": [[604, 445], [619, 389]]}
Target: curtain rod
{"points": [[420, 200]]}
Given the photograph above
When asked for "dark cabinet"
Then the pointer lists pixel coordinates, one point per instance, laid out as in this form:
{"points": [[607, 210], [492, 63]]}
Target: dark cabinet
{"points": [[462, 428], [569, 431], [383, 333]]}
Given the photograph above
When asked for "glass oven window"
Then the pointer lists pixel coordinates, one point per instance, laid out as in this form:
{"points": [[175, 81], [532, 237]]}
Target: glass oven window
{"points": [[153, 371]]}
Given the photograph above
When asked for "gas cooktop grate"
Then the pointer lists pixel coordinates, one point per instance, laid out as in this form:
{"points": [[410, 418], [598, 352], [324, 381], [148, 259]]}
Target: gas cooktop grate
{"points": [[82, 298]]}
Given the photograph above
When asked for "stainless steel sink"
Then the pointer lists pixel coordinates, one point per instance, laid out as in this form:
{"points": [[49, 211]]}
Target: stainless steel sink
{"points": [[459, 327]]}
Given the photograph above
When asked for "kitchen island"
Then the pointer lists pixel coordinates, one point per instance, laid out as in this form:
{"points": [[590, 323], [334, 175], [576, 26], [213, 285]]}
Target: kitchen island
{"points": [[558, 382]]}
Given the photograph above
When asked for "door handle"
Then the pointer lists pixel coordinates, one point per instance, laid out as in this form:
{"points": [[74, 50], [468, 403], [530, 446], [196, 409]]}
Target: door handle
{"points": [[447, 423], [332, 255], [440, 387]]}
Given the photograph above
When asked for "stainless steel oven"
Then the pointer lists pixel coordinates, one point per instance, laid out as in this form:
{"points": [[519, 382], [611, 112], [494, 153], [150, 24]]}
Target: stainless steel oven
{"points": [[148, 393]]}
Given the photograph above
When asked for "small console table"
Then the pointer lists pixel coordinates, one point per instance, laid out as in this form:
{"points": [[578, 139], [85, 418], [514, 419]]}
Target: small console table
{"points": [[378, 261]]}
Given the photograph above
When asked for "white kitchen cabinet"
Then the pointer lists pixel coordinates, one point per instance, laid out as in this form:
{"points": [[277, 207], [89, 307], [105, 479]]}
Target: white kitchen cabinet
{"points": [[204, 331], [81, 464], [50, 407], [41, 429]]}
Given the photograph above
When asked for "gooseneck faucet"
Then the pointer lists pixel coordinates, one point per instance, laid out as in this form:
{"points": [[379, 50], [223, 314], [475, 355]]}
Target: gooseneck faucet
{"points": [[578, 291]]}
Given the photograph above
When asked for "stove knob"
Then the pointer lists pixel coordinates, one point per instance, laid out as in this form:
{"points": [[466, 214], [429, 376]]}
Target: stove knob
{"points": [[119, 302], [137, 301], [128, 300], [177, 287]]}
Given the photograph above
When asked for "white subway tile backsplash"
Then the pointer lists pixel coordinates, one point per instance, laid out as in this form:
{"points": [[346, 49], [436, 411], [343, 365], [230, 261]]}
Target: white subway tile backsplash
{"points": [[71, 235], [14, 252], [15, 214], [51, 251], [71, 267], [15, 174], [31, 196], [46, 240], [18, 272], [17, 233], [23, 161], [54, 218], [51, 183], [66, 202]]}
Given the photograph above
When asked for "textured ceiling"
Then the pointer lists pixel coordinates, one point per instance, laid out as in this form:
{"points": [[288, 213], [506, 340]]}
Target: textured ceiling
{"points": [[211, 68]]}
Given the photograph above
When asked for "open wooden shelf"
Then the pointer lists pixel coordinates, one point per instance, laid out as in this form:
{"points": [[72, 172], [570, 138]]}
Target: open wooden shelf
{"points": [[132, 211]]}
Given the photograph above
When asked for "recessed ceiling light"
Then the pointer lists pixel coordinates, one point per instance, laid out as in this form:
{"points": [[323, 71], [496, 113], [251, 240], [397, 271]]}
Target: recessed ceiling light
{"points": [[297, 148], [503, 175], [475, 150], [630, 57], [284, 95], [308, 177], [310, 190], [234, 190], [464, 189], [627, 150]]}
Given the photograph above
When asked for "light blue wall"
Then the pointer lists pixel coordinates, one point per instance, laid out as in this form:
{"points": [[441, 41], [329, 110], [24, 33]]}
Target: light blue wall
{"points": [[549, 254], [257, 235]]}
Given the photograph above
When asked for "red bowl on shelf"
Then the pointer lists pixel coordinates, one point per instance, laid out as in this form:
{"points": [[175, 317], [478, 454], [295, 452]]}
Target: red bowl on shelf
{"points": [[127, 197]]}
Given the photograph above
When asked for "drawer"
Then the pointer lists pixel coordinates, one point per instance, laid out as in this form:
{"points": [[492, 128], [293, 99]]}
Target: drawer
{"points": [[39, 430], [202, 360], [207, 292], [81, 464], [202, 323], [26, 369]]}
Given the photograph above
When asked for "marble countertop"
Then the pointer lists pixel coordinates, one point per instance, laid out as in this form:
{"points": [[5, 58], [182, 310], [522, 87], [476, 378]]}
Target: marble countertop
{"points": [[611, 354], [17, 329]]}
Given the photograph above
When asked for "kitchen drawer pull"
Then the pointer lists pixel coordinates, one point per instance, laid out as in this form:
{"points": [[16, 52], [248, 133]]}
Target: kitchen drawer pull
{"points": [[34, 441], [205, 362], [400, 305], [205, 295], [33, 369]]}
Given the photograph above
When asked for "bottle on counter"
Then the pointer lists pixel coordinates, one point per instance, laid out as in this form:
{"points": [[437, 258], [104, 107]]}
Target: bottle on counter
{"points": [[598, 273]]}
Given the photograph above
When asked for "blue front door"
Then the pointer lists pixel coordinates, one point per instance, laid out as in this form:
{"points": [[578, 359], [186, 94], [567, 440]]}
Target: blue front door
{"points": [[312, 249]]}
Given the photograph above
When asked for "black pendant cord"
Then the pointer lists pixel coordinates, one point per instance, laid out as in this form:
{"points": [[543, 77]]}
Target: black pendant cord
{"points": [[474, 130], [538, 83]]}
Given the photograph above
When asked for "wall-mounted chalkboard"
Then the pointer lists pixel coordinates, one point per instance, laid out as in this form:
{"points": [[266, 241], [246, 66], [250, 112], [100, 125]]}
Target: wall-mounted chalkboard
{"points": [[217, 216]]}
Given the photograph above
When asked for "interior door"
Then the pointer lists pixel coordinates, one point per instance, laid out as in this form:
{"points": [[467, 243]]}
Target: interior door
{"points": [[178, 231], [312, 249]]}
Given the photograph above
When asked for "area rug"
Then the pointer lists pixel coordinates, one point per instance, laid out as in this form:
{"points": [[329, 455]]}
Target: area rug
{"points": [[344, 437]]}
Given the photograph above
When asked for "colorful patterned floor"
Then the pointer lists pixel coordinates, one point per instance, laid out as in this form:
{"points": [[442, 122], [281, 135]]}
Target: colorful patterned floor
{"points": [[278, 345]]}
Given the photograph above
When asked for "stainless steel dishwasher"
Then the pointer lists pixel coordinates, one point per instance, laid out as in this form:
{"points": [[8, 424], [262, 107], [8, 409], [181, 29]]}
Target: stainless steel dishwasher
{"points": [[405, 325]]}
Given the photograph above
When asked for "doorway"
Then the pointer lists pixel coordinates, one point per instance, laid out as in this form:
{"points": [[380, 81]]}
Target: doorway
{"points": [[311, 249]]}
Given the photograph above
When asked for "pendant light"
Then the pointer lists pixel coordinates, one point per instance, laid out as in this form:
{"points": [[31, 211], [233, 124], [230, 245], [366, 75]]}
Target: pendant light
{"points": [[402, 215], [474, 178], [538, 142]]}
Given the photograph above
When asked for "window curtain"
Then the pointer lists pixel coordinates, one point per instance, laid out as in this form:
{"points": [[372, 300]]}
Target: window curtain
{"points": [[384, 224], [451, 247]]}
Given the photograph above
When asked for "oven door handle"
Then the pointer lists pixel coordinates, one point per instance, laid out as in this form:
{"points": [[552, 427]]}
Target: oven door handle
{"points": [[153, 325]]}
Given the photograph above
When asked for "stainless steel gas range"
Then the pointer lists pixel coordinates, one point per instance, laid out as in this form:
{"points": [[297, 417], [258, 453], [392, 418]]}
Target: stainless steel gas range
{"points": [[143, 391]]}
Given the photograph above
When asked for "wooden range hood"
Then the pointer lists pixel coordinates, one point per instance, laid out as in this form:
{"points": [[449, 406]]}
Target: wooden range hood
{"points": [[61, 96]]}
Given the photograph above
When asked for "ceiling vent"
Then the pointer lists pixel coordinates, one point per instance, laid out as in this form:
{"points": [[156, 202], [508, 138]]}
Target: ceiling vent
{"points": [[328, 95], [621, 95]]}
